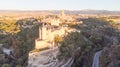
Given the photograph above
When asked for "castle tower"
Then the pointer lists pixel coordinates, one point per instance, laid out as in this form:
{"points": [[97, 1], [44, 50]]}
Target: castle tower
{"points": [[42, 32], [41, 41]]}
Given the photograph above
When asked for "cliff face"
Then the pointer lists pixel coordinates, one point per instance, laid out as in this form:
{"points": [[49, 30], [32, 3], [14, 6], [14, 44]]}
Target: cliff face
{"points": [[110, 56]]}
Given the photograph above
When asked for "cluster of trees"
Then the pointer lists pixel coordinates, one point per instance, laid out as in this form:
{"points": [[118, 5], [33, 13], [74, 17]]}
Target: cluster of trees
{"points": [[96, 33], [110, 56], [9, 26], [22, 39], [27, 21]]}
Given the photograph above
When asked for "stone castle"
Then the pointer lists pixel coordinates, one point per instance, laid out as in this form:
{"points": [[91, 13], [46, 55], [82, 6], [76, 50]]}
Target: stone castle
{"points": [[47, 34]]}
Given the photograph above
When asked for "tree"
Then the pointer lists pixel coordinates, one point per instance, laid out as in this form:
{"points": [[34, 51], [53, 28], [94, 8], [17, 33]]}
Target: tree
{"points": [[57, 39], [71, 42], [5, 65], [18, 66], [10, 27]]}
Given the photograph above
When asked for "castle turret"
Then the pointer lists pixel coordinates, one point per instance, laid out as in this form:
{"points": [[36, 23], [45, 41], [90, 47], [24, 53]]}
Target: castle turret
{"points": [[42, 32]]}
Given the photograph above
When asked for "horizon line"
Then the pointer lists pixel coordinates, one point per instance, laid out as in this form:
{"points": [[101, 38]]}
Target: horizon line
{"points": [[56, 10]]}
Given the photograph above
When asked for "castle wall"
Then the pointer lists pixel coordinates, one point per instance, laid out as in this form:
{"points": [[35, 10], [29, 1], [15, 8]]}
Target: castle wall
{"points": [[41, 44]]}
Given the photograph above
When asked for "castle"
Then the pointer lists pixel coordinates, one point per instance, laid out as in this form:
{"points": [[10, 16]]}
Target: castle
{"points": [[47, 34]]}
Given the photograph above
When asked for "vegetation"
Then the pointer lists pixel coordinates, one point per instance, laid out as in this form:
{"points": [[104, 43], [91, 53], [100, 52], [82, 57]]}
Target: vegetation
{"points": [[5, 65], [22, 39], [96, 33], [72, 41], [9, 26], [110, 56], [57, 39]]}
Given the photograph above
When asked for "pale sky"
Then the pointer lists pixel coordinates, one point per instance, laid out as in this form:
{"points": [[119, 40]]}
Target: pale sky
{"points": [[59, 4]]}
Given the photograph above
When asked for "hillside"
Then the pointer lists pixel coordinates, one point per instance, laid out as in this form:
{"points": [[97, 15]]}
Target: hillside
{"points": [[44, 12]]}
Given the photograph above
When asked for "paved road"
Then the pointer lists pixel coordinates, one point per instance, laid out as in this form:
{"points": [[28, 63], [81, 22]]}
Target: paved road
{"points": [[96, 59]]}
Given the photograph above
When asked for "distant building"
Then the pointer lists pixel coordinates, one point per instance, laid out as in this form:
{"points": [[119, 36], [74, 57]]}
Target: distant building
{"points": [[52, 20], [3, 32], [55, 22], [65, 18]]}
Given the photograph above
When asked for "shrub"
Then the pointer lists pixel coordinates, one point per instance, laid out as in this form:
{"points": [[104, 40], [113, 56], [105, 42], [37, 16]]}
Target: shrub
{"points": [[5, 65]]}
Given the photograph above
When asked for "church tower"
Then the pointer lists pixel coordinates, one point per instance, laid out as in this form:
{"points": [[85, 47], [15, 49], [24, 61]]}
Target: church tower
{"points": [[62, 13]]}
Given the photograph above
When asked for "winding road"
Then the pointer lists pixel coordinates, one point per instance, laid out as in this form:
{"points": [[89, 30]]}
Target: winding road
{"points": [[96, 59]]}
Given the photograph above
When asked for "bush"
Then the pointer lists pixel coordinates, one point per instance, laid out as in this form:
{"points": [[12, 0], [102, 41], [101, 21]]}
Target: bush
{"points": [[5, 65], [57, 39], [72, 41], [18, 66]]}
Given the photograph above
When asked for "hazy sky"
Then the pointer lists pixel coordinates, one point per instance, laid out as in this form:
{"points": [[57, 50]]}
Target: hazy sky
{"points": [[59, 4]]}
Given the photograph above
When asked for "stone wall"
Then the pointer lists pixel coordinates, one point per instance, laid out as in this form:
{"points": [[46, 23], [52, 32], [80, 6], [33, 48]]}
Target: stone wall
{"points": [[39, 44]]}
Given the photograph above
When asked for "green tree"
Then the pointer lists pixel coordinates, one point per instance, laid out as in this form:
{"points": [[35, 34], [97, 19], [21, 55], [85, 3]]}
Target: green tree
{"points": [[57, 39], [9, 26], [5, 65], [71, 42]]}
